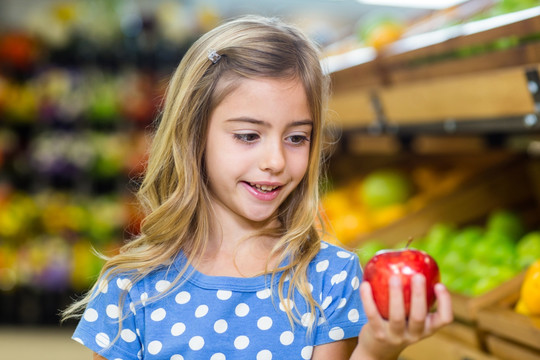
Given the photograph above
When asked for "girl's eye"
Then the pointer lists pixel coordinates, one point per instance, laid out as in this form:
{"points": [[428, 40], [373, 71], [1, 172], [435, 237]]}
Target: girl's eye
{"points": [[247, 138], [298, 139]]}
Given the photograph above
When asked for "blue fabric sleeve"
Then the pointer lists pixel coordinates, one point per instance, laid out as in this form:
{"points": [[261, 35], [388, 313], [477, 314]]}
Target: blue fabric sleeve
{"points": [[344, 314], [99, 328]]}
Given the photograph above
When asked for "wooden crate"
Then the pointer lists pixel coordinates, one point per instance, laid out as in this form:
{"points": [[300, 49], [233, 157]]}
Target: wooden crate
{"points": [[509, 330], [507, 178], [442, 347], [508, 350]]}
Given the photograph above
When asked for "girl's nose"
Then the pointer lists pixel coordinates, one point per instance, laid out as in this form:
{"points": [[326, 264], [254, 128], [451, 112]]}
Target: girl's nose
{"points": [[272, 158]]}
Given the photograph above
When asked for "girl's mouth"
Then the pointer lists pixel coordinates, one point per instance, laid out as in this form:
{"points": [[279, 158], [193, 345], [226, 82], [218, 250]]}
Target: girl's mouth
{"points": [[263, 192], [264, 188]]}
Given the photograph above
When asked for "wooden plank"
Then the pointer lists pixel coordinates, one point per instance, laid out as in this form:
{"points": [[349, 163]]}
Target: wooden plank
{"points": [[363, 76], [517, 56], [510, 351], [352, 109], [489, 94], [441, 347], [506, 323], [464, 333]]}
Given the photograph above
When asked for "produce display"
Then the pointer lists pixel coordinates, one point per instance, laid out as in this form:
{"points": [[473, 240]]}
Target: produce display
{"points": [[404, 263], [476, 258], [382, 196]]}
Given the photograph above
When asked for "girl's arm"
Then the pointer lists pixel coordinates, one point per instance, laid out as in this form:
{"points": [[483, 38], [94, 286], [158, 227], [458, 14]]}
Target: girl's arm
{"points": [[97, 357], [383, 339]]}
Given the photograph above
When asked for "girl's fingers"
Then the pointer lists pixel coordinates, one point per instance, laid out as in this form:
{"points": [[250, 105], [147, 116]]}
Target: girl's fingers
{"points": [[396, 311], [370, 308], [418, 313], [444, 314]]}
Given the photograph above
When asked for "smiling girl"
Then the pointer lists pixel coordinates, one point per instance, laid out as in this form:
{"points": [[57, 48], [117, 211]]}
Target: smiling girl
{"points": [[229, 263]]}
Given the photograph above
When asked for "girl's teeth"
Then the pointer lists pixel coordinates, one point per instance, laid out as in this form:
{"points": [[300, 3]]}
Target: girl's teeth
{"points": [[265, 188]]}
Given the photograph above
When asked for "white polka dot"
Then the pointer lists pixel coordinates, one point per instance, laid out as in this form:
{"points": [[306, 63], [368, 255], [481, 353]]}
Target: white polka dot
{"points": [[177, 357], [310, 286], [241, 310], [327, 301], [112, 311], [154, 347], [306, 352], [117, 359], [158, 314], [123, 284], [162, 285], [336, 333], [90, 315], [103, 286], [342, 303], [264, 323], [144, 297], [132, 308], [322, 265], [355, 283], [324, 245], [78, 340], [182, 297], [286, 338], [201, 311], [178, 329], [286, 304], [196, 343], [264, 355], [218, 356], [139, 354], [322, 320], [336, 279], [128, 335], [264, 294], [343, 254], [353, 315], [287, 278], [102, 340], [307, 319], [224, 294], [220, 326], [241, 342]]}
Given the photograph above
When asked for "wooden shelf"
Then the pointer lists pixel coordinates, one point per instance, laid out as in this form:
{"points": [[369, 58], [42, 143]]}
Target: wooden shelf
{"points": [[412, 87]]}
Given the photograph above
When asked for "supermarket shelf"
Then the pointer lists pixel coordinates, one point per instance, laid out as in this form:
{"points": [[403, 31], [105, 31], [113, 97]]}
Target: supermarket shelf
{"points": [[436, 84]]}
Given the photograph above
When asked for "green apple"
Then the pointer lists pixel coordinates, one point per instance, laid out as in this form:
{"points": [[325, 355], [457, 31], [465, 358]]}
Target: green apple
{"points": [[528, 249], [506, 222]]}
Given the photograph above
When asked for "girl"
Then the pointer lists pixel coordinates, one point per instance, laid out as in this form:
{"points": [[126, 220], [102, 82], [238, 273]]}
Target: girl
{"points": [[229, 263]]}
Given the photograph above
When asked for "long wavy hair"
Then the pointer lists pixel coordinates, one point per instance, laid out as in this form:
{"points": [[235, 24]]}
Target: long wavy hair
{"points": [[174, 192]]}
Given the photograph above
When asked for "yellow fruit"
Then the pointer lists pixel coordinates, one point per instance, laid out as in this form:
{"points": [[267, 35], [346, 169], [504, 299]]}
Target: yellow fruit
{"points": [[384, 34], [521, 308], [530, 293]]}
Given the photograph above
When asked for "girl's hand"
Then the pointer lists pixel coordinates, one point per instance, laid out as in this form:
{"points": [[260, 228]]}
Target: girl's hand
{"points": [[385, 339]]}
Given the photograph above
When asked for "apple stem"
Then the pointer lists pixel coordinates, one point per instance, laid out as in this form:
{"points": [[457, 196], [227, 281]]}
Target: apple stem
{"points": [[409, 242]]}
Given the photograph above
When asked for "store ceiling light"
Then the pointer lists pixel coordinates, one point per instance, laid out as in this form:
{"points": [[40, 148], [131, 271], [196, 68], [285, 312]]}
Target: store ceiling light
{"points": [[422, 4]]}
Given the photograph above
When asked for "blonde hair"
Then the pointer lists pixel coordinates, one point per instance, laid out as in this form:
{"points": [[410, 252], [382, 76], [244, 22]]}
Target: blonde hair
{"points": [[174, 192]]}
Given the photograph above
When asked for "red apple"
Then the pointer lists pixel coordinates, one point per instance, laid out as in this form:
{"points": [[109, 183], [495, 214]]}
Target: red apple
{"points": [[404, 263]]}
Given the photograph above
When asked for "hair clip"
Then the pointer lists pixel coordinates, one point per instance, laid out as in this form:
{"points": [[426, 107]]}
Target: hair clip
{"points": [[213, 56]]}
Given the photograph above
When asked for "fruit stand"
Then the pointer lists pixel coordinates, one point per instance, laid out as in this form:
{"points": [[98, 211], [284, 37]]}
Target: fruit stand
{"points": [[454, 114]]}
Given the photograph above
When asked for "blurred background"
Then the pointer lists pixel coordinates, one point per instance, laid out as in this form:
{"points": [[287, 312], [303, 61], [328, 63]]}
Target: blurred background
{"points": [[81, 83]]}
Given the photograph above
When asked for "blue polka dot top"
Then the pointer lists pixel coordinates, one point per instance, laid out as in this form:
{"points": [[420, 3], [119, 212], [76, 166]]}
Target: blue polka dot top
{"points": [[219, 318]]}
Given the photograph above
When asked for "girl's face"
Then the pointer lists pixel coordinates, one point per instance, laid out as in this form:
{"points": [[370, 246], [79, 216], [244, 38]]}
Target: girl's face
{"points": [[258, 146]]}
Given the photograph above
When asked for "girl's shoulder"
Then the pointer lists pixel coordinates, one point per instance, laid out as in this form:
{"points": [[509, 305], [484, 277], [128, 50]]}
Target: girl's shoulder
{"points": [[329, 251], [334, 262]]}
